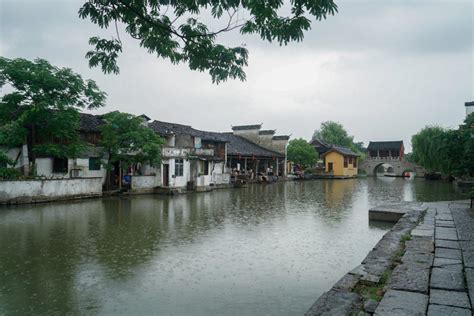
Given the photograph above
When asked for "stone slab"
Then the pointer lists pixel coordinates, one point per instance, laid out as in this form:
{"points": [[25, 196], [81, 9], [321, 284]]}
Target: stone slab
{"points": [[424, 260], [420, 245], [386, 213], [442, 310], [444, 217], [336, 303], [451, 298], [444, 223], [447, 278], [443, 262], [446, 233], [402, 303], [448, 253], [447, 244], [347, 282], [410, 277], [468, 259], [470, 282], [370, 306], [422, 232]]}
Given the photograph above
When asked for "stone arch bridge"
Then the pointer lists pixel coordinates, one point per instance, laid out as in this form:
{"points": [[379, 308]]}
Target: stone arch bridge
{"points": [[399, 167]]}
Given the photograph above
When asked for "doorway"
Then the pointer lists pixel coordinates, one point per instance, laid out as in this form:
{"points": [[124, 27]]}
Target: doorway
{"points": [[166, 175], [330, 167]]}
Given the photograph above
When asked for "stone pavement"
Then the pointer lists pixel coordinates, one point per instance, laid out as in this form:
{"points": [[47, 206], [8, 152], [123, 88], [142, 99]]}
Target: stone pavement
{"points": [[436, 274]]}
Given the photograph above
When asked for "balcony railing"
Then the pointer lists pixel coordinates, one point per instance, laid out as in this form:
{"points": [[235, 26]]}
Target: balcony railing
{"points": [[385, 158], [185, 152]]}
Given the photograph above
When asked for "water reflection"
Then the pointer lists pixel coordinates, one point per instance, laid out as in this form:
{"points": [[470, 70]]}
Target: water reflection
{"points": [[265, 249]]}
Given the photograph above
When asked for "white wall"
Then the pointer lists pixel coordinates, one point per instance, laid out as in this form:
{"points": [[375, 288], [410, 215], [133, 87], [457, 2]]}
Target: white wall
{"points": [[145, 182], [181, 181], [44, 167], [48, 189]]}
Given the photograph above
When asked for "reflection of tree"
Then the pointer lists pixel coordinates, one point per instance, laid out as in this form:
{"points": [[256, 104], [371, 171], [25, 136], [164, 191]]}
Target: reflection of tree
{"points": [[129, 236], [338, 193]]}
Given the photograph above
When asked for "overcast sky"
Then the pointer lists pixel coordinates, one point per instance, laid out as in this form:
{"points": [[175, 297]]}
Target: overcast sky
{"points": [[384, 69]]}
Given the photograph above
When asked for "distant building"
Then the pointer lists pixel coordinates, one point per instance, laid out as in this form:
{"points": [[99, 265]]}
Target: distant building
{"points": [[251, 148], [340, 162], [469, 107], [386, 150]]}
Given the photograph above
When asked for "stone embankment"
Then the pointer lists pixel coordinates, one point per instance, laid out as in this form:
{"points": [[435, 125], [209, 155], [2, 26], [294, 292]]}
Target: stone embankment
{"points": [[423, 266]]}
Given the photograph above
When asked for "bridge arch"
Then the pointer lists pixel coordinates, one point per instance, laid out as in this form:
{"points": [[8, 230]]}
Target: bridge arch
{"points": [[399, 167]]}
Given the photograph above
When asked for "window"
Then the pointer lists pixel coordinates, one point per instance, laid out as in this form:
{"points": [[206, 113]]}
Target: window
{"points": [[94, 163], [350, 160], [345, 162], [60, 165], [355, 162], [178, 167]]}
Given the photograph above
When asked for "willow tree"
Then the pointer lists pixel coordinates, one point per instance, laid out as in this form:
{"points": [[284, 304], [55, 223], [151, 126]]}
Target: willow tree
{"points": [[41, 107], [175, 30], [449, 151]]}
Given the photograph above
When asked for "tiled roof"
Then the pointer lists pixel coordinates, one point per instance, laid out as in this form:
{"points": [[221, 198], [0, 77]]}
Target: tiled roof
{"points": [[469, 103], [267, 132], [246, 127], [166, 128], [342, 150], [281, 137], [91, 123], [385, 145], [240, 146]]}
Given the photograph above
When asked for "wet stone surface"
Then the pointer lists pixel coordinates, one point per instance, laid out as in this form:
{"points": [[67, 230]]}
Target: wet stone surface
{"points": [[410, 277], [336, 303], [442, 310], [451, 298], [402, 303], [442, 262], [448, 253], [447, 244], [446, 233], [420, 245], [449, 278]]}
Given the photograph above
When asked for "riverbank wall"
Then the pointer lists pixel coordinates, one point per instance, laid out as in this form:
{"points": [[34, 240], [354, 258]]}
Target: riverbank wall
{"points": [[41, 190], [349, 295]]}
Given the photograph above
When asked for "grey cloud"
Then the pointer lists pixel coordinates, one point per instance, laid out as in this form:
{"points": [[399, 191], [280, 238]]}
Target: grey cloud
{"points": [[383, 69]]}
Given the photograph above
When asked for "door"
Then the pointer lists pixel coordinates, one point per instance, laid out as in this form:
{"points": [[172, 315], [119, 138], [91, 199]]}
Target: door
{"points": [[166, 175], [330, 167]]}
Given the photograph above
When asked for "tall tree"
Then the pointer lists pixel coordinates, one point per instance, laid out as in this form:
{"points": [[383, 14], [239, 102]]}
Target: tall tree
{"points": [[334, 133], [43, 106], [127, 140], [301, 152], [175, 30]]}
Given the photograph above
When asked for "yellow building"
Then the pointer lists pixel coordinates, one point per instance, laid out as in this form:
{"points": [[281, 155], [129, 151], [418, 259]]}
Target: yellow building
{"points": [[340, 162]]}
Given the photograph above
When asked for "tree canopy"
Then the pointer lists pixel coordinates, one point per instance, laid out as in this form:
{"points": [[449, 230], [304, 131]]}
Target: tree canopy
{"points": [[301, 152], [176, 30], [127, 139], [333, 133], [43, 106], [448, 151]]}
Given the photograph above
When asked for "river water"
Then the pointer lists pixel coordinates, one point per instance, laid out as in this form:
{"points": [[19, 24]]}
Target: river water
{"points": [[260, 250]]}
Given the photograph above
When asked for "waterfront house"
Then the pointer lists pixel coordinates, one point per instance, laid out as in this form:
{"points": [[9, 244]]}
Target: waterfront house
{"points": [[253, 150], [340, 162], [386, 150], [191, 159]]}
